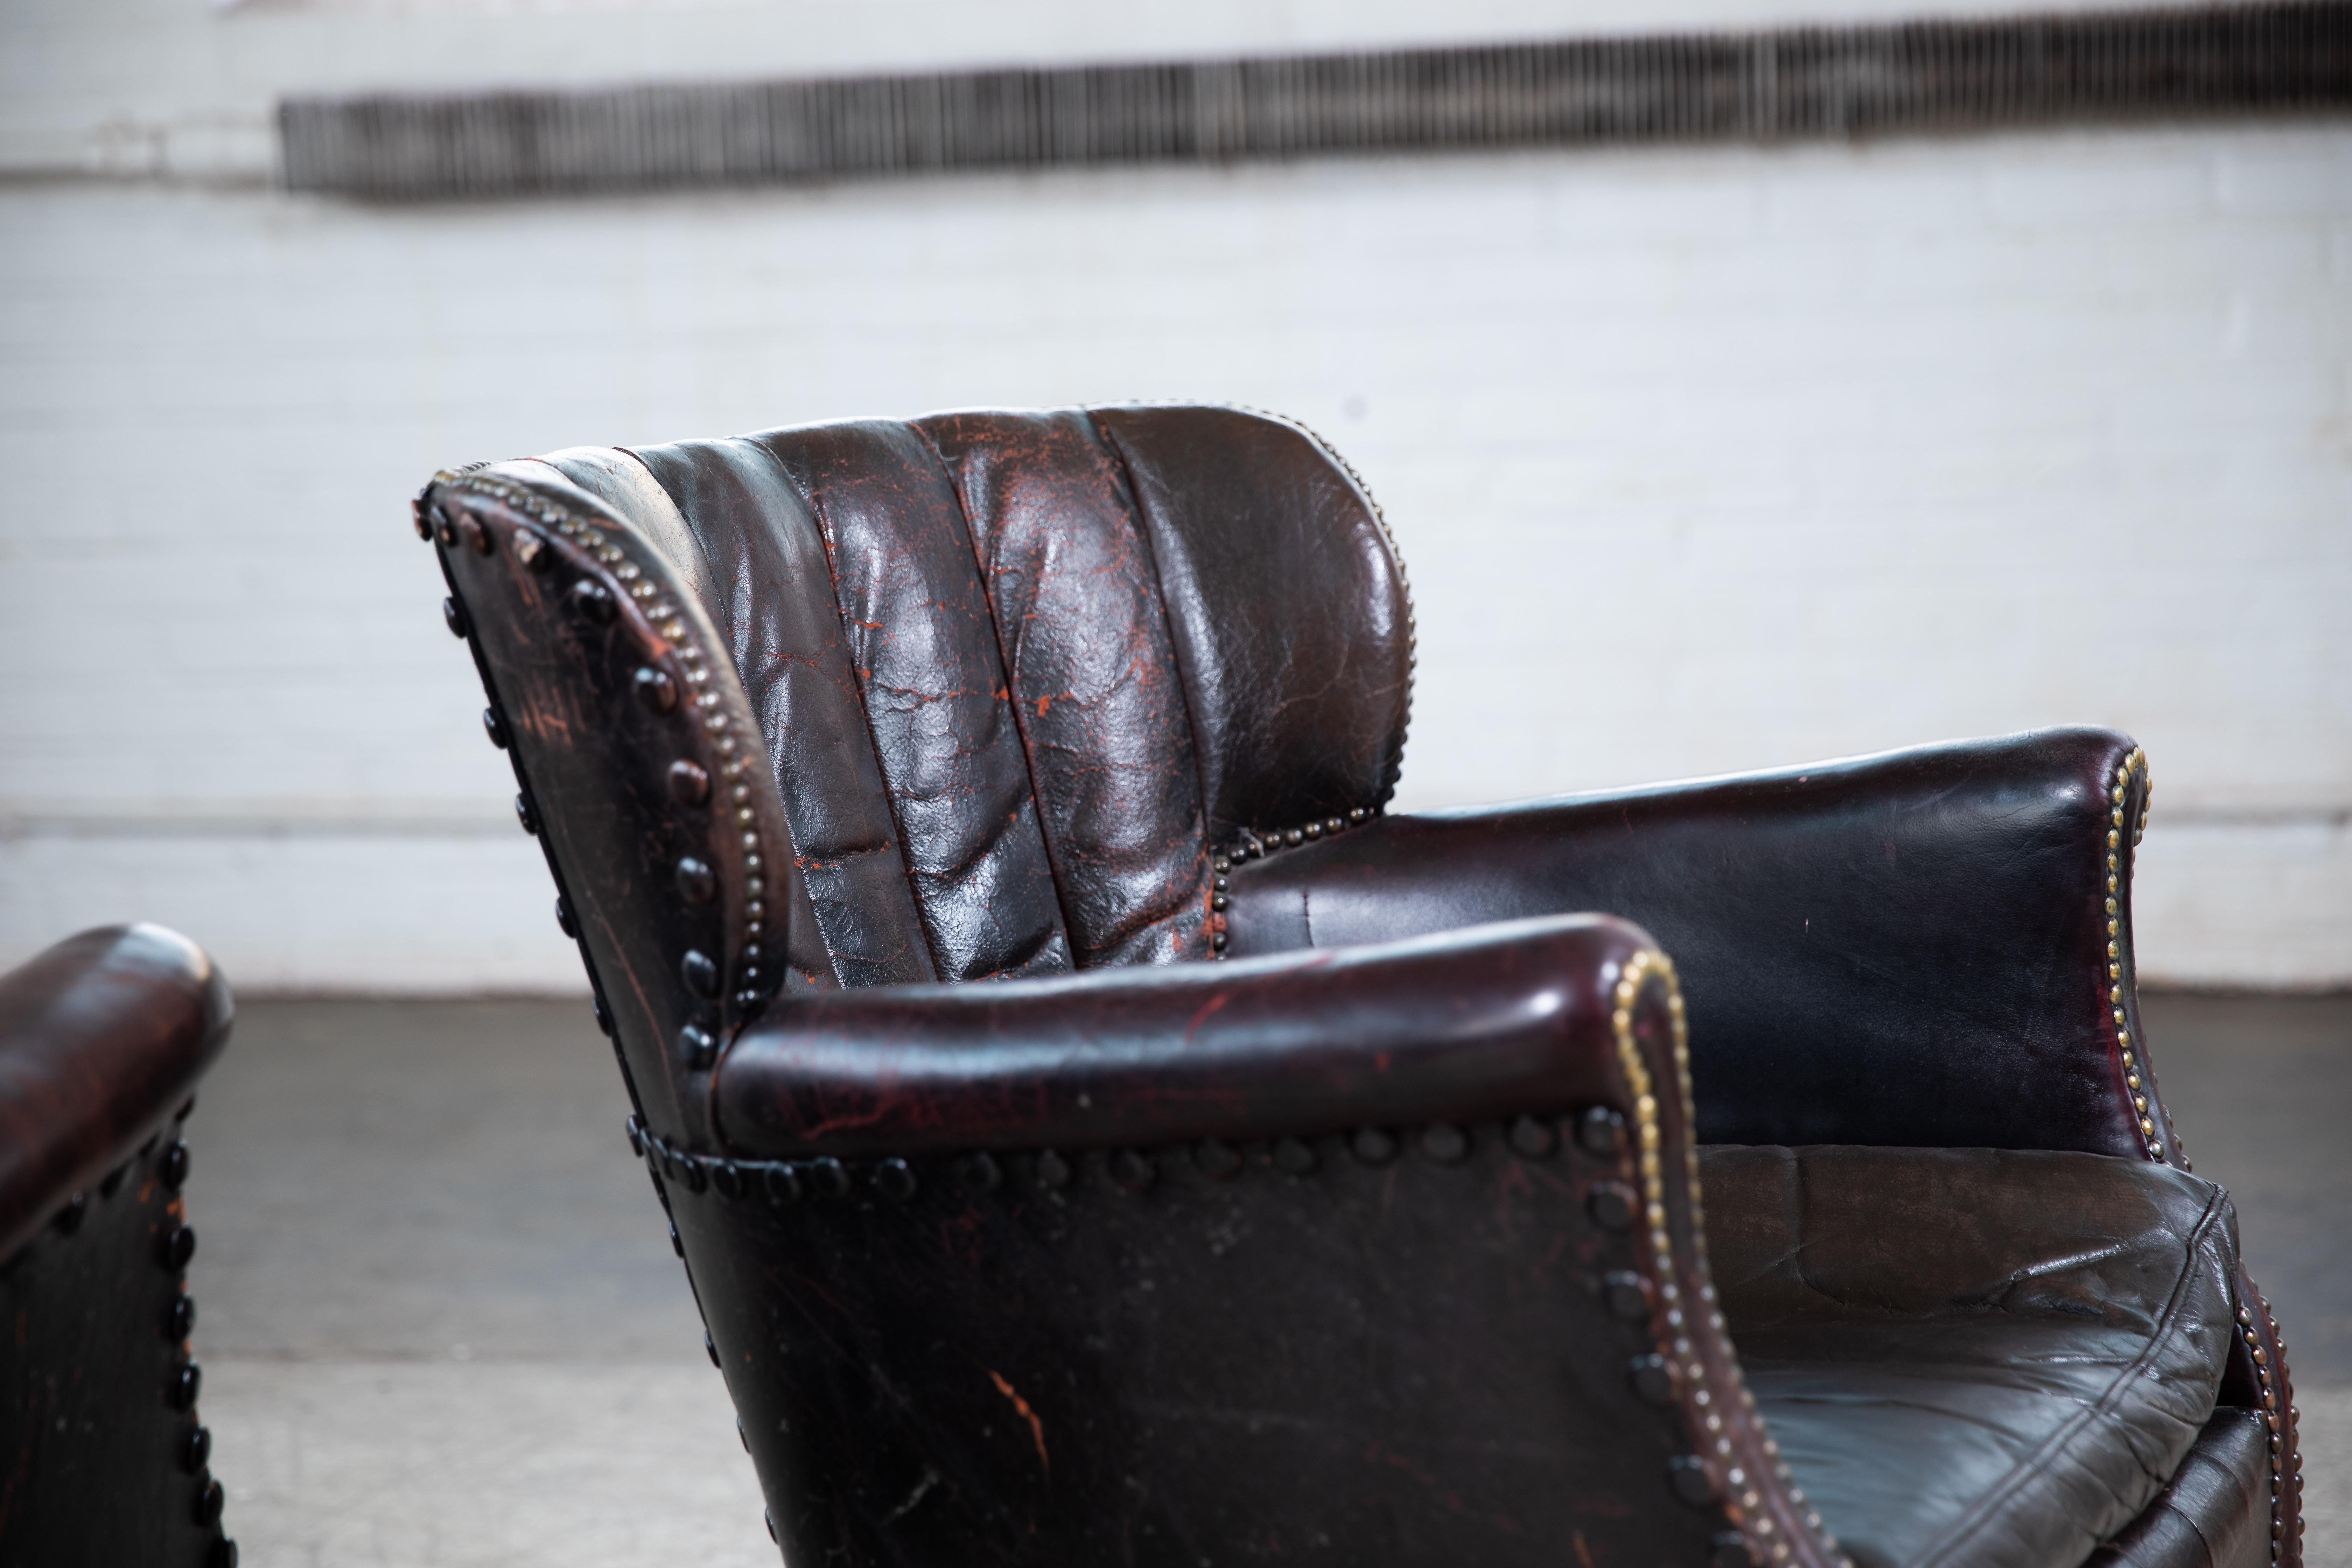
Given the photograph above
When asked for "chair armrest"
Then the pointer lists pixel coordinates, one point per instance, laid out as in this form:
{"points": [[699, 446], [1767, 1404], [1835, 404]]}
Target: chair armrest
{"points": [[1928, 947], [100, 1037], [1470, 1026]]}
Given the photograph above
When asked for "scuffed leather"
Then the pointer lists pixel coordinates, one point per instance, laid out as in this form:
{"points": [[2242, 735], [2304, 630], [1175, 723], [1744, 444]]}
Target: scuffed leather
{"points": [[1288, 609], [99, 1037], [1973, 1358], [2214, 1513], [1905, 949], [1021, 673], [1094, 678], [1469, 1026]]}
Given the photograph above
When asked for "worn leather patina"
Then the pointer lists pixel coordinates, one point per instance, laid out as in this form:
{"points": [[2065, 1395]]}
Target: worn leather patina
{"points": [[1097, 1131], [102, 1040]]}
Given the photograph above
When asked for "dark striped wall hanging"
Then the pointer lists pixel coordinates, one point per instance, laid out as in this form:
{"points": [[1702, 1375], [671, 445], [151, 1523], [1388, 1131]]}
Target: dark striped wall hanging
{"points": [[1785, 84]]}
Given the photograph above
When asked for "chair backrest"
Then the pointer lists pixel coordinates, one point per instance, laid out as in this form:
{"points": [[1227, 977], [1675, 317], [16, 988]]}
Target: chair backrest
{"points": [[1022, 676]]}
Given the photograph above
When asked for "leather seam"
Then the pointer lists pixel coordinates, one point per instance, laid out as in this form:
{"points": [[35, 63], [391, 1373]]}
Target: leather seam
{"points": [[1994, 1504], [1111, 443], [813, 500], [1011, 708]]}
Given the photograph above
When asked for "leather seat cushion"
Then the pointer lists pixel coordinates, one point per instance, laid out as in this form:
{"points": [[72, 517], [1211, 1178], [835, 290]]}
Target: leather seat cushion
{"points": [[1973, 1356]]}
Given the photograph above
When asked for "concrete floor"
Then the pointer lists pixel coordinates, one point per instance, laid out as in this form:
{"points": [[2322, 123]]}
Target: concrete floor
{"points": [[442, 1327]]}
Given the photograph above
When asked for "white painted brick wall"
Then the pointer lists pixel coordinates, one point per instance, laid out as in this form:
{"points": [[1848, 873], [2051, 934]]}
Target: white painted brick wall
{"points": [[1702, 459]]}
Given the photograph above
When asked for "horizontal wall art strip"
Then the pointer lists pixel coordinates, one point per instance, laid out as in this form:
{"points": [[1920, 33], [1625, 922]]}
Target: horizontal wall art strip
{"points": [[1795, 83]]}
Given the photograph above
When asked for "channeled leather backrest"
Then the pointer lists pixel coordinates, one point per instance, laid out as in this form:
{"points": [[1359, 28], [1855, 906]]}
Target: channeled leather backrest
{"points": [[1023, 675]]}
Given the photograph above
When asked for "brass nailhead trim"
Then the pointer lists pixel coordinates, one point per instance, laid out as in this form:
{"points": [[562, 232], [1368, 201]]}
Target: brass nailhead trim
{"points": [[1741, 1498], [2118, 793]]}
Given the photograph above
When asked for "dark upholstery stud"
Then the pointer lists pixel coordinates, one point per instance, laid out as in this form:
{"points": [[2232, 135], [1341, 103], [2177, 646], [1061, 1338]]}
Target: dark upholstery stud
{"points": [[525, 815], [477, 538], [594, 605], [1295, 1156], [701, 974], [725, 1180], [1686, 1475], [1612, 1205], [1221, 883], [1312, 830], [197, 1450], [565, 922], [1219, 902], [1053, 1171], [1531, 1139], [188, 1381], [1332, 825], [111, 1182], [982, 1173], [632, 1127], [179, 1317], [656, 689], [1215, 1159], [172, 1166], [1653, 1377], [1730, 1549], [829, 1176], [1217, 942], [444, 528], [1445, 1142], [771, 1519], [208, 1504], [677, 1242], [694, 1044], [710, 1345], [531, 548], [894, 1179], [697, 1171], [68, 1218], [742, 1437], [423, 518], [697, 883], [1221, 864], [1601, 1132], [175, 1247], [1372, 1145], [600, 1012], [1293, 836], [689, 784], [1131, 1172], [1628, 1296], [495, 727], [783, 1184], [452, 616]]}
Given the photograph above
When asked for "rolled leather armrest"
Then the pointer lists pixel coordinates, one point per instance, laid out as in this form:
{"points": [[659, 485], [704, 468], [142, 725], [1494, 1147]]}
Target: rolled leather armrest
{"points": [[1928, 947], [1469, 1026], [101, 1036]]}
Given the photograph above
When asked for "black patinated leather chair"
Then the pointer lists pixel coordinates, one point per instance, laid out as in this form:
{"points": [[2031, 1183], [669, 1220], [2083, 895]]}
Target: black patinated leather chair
{"points": [[102, 1462], [1380, 1241]]}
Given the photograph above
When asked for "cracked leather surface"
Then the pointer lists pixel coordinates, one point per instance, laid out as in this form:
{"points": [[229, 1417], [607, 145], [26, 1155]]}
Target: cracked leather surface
{"points": [[1973, 1358], [1020, 674]]}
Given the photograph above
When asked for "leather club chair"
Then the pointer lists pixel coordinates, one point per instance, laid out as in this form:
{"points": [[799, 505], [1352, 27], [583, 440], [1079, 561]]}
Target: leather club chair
{"points": [[102, 1462], [1307, 1184]]}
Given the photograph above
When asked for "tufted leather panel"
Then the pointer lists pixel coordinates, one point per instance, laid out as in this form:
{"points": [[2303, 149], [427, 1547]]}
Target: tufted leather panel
{"points": [[772, 600], [1288, 609], [1019, 673], [1093, 676], [1973, 1358], [922, 640]]}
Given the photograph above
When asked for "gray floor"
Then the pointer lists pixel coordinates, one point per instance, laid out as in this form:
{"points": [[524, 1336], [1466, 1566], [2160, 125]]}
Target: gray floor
{"points": [[442, 1326]]}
